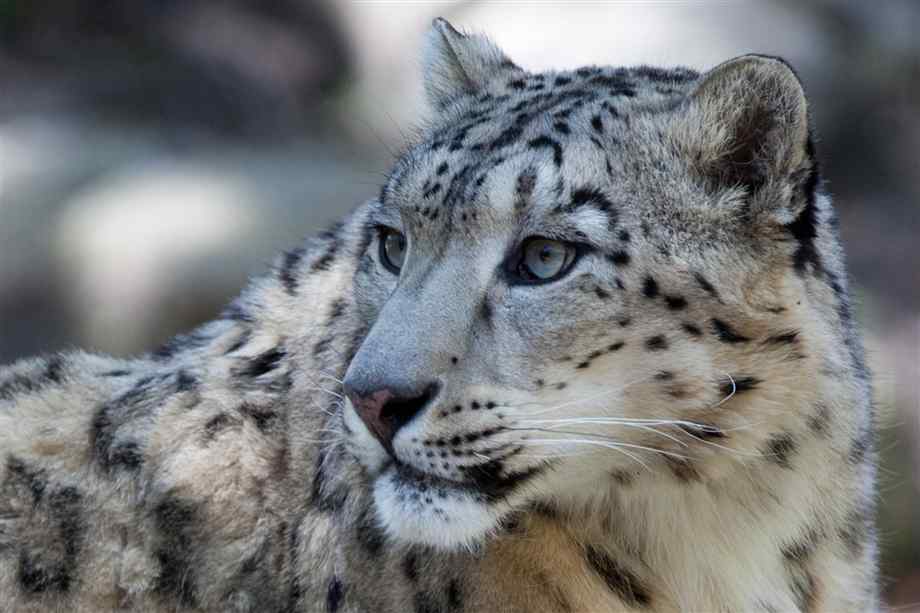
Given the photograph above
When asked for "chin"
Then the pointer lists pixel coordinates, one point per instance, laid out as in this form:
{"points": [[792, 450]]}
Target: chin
{"points": [[416, 508]]}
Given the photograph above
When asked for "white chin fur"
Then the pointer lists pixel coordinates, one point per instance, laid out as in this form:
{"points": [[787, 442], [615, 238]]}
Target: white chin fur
{"points": [[452, 520]]}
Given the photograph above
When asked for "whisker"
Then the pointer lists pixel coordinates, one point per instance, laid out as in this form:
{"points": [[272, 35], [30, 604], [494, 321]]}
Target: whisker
{"points": [[568, 403], [595, 443], [330, 392], [605, 440], [618, 422], [734, 389]]}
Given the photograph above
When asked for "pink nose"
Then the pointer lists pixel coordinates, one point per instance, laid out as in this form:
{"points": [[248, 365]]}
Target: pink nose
{"points": [[384, 411], [370, 410]]}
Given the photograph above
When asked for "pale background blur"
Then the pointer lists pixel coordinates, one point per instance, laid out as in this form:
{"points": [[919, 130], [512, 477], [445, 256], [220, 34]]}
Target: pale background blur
{"points": [[156, 153]]}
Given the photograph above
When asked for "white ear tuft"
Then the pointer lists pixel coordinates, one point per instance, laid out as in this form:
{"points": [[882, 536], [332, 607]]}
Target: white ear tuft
{"points": [[457, 64]]}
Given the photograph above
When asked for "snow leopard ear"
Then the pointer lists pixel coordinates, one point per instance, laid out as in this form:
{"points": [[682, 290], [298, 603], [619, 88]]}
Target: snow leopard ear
{"points": [[747, 125], [457, 64]]}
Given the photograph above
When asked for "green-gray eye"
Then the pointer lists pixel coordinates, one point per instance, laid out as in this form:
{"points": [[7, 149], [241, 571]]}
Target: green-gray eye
{"points": [[545, 260], [392, 249]]}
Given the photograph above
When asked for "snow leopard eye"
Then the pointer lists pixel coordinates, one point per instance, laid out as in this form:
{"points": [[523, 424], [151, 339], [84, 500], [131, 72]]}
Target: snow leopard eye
{"points": [[542, 260], [392, 249]]}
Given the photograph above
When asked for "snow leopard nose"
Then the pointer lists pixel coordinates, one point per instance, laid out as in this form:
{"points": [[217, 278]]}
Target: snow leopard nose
{"points": [[386, 410]]}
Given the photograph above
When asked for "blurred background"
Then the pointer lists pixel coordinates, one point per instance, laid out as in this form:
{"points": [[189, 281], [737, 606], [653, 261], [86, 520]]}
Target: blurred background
{"points": [[156, 153]]}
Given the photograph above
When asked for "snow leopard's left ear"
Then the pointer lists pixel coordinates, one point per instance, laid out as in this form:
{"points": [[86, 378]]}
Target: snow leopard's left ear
{"points": [[457, 64], [746, 124]]}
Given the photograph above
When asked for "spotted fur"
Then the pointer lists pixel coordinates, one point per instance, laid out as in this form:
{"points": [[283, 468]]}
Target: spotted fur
{"points": [[680, 422]]}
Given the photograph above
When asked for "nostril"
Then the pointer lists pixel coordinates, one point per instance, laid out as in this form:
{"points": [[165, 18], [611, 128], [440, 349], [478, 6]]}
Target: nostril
{"points": [[399, 411], [387, 410]]}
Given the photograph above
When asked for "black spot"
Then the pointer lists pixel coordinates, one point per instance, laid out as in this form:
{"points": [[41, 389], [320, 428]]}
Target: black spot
{"points": [[819, 421], [262, 418], [34, 479], [287, 273], [562, 81], [517, 84], [664, 375], [675, 303], [546, 142], [620, 580], [737, 385], [369, 534], [431, 191], [624, 236], [780, 447], [454, 596], [334, 594], [35, 577], [615, 346], [650, 287], [175, 524], [262, 364], [682, 469], [790, 337], [126, 455], [597, 124], [116, 373], [622, 477], [705, 284], [185, 382], [726, 333], [442, 168], [410, 566], [506, 138], [486, 311], [327, 257], [561, 127], [216, 424], [691, 329], [620, 258], [656, 343], [64, 531]]}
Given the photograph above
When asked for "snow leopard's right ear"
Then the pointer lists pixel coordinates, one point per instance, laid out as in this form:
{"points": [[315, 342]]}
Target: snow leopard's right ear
{"points": [[457, 64]]}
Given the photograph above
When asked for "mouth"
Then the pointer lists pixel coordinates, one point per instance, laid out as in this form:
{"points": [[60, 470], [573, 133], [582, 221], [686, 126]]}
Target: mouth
{"points": [[488, 482]]}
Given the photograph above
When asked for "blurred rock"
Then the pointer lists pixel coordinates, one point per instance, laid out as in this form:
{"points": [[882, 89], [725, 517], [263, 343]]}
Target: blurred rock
{"points": [[113, 240]]}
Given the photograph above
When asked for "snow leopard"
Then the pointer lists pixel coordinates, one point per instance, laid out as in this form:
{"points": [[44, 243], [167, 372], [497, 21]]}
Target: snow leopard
{"points": [[590, 349]]}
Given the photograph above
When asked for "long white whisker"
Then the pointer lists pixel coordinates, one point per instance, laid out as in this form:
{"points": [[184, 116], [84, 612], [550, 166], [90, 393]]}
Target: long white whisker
{"points": [[619, 444], [625, 423], [322, 389], [326, 375], [589, 442], [734, 389]]}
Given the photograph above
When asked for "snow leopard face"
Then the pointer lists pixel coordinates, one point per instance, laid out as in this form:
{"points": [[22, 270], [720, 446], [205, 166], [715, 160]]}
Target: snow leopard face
{"points": [[571, 281]]}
